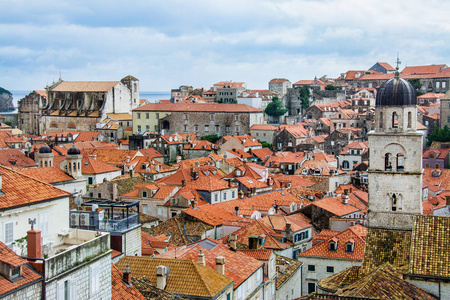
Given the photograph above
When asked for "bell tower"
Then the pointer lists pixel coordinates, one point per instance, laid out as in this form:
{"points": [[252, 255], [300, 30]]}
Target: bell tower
{"points": [[395, 149]]}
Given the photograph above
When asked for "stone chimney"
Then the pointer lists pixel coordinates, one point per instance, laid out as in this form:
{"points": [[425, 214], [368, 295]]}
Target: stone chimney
{"points": [[220, 265], [127, 275], [345, 197], [161, 277], [34, 243], [233, 241], [288, 229], [201, 258], [183, 182]]}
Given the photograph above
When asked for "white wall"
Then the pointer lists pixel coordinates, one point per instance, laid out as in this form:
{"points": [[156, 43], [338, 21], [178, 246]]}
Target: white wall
{"points": [[57, 212]]}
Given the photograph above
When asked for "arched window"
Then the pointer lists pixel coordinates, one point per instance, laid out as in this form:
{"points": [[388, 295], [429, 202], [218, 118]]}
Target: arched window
{"points": [[394, 120], [332, 246], [74, 166], [71, 125], [53, 125], [387, 162], [45, 164], [394, 202], [400, 162], [381, 120], [409, 119], [350, 246]]}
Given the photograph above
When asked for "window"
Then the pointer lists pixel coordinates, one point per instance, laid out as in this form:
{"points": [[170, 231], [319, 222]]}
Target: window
{"points": [[43, 223], [15, 272], [381, 120], [157, 116], [206, 128], [232, 194], [185, 128], [387, 162], [99, 195], [94, 279], [444, 84], [139, 128], [185, 117], [311, 268], [8, 233], [159, 211], [311, 287], [224, 195], [436, 166], [147, 115], [90, 180], [145, 208], [147, 127], [438, 84], [227, 128], [144, 194], [394, 202], [217, 128], [330, 269], [196, 127], [332, 246], [236, 117], [216, 197], [345, 164], [237, 128], [349, 247], [138, 115], [400, 162], [394, 120], [66, 290]]}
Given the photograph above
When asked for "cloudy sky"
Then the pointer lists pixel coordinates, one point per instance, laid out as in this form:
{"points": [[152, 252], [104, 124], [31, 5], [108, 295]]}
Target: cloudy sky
{"points": [[169, 43]]}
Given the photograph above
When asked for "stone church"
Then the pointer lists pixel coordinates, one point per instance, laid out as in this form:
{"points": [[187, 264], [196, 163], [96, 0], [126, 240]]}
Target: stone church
{"points": [[406, 254], [79, 105]]}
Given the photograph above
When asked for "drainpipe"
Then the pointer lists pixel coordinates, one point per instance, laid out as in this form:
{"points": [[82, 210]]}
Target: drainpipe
{"points": [[43, 273]]}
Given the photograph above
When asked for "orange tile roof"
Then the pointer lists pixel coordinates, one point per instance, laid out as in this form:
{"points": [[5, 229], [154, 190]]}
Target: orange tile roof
{"points": [[250, 182], [49, 174], [259, 254], [263, 127], [14, 158], [335, 206], [90, 165], [186, 277], [262, 153], [441, 177], [7, 256], [278, 222], [354, 234], [211, 214], [278, 80], [387, 66], [419, 70], [198, 107], [120, 290]]}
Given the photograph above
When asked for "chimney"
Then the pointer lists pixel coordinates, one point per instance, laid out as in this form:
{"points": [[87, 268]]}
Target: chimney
{"points": [[351, 189], [220, 265], [276, 207], [132, 173], [288, 229], [34, 243], [194, 203], [127, 275], [128, 159], [345, 197], [236, 210], [183, 182], [233, 241], [447, 200], [161, 277], [201, 258]]}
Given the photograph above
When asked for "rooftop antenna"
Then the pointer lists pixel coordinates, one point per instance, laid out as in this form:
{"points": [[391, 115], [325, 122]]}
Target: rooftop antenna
{"points": [[60, 75]]}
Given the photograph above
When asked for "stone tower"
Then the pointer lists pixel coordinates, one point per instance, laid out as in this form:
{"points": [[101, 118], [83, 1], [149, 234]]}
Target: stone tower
{"points": [[133, 85], [44, 158], [395, 148], [73, 160]]}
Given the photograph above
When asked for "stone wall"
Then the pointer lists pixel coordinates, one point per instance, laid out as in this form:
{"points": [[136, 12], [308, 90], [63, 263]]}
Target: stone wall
{"points": [[131, 242], [31, 292], [80, 280]]}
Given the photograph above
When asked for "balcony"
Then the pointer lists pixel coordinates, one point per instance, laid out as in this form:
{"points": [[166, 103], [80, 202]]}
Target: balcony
{"points": [[107, 216]]}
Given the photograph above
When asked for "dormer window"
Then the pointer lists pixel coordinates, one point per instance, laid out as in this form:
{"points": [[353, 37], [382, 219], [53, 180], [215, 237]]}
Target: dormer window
{"points": [[332, 245], [16, 272], [350, 246], [144, 194]]}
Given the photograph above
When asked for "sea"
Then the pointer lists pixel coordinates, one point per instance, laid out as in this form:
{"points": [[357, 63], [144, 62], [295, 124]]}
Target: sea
{"points": [[152, 96]]}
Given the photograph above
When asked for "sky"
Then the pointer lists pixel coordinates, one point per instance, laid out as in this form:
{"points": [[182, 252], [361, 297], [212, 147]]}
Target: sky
{"points": [[170, 43]]}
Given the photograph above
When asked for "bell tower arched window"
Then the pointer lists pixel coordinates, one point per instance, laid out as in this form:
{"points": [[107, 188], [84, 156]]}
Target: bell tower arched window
{"points": [[381, 120], [394, 120], [409, 119], [400, 162], [394, 202], [387, 162]]}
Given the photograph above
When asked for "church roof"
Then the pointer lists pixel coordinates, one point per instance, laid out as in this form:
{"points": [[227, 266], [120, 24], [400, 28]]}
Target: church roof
{"points": [[396, 92], [84, 86]]}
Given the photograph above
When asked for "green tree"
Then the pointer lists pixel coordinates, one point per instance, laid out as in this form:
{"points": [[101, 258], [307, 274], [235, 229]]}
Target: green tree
{"points": [[330, 87], [266, 145], [439, 135], [275, 108], [305, 94], [210, 138], [415, 82]]}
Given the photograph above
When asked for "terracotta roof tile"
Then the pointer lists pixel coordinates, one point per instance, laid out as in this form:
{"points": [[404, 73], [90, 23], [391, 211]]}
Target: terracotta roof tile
{"points": [[85, 86], [93, 166], [211, 214], [335, 206], [120, 290], [186, 277], [21, 190], [14, 158], [49, 174], [259, 254]]}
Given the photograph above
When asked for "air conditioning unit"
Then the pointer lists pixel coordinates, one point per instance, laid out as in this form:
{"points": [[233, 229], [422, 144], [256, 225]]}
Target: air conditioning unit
{"points": [[84, 219], [74, 220]]}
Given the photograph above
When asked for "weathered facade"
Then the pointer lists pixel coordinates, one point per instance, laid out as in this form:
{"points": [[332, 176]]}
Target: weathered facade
{"points": [[199, 118], [30, 110], [80, 105]]}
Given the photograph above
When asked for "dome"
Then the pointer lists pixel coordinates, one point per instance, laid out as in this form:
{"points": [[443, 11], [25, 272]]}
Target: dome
{"points": [[45, 149], [396, 92], [73, 151]]}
